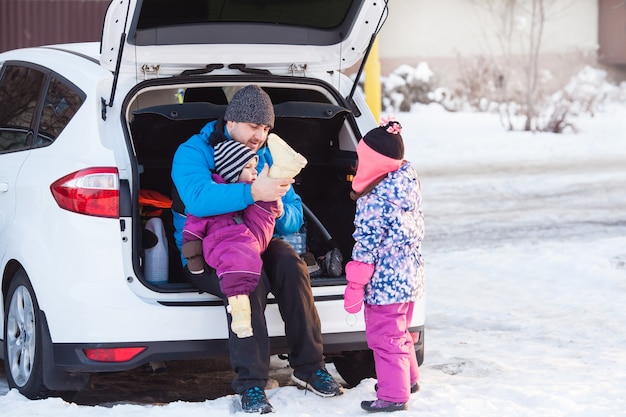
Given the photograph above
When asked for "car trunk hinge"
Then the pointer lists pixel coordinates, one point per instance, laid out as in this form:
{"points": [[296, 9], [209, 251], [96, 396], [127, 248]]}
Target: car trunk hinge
{"points": [[350, 98], [118, 64], [150, 69], [298, 68]]}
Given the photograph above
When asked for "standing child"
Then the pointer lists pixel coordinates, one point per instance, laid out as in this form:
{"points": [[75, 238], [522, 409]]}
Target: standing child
{"points": [[232, 243], [387, 270]]}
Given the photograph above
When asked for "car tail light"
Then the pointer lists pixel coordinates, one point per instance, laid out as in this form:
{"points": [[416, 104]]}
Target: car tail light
{"points": [[122, 354], [415, 336], [91, 191]]}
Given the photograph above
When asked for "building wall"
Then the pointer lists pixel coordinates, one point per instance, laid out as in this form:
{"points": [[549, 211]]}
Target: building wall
{"points": [[612, 32], [448, 33], [448, 27], [25, 23]]}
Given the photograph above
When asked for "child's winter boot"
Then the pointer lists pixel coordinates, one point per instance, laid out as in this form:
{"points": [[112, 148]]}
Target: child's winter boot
{"points": [[378, 406], [239, 308], [287, 162]]}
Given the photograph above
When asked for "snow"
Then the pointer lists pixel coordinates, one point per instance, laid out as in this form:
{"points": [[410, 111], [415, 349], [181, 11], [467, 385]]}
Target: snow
{"points": [[526, 278], [405, 74]]}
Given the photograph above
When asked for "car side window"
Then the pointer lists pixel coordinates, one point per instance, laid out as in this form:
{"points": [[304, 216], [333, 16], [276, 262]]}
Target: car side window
{"points": [[20, 89], [60, 105]]}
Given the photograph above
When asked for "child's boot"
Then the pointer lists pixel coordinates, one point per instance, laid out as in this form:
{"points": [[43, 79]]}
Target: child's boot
{"points": [[378, 406], [192, 252], [287, 162], [239, 308]]}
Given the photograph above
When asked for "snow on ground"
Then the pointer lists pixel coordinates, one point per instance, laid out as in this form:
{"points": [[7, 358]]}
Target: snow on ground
{"points": [[526, 278]]}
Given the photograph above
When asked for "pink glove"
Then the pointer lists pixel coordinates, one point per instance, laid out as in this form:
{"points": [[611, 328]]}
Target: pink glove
{"points": [[353, 298], [358, 275]]}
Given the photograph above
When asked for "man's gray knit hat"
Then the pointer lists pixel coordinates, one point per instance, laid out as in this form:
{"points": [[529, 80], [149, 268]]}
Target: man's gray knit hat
{"points": [[251, 105], [230, 157]]}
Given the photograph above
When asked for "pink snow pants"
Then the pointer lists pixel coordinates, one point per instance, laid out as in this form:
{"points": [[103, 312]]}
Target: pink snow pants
{"points": [[387, 332]]}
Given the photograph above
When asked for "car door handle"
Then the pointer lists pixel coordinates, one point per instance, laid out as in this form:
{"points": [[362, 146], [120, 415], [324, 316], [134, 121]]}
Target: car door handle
{"points": [[4, 187]]}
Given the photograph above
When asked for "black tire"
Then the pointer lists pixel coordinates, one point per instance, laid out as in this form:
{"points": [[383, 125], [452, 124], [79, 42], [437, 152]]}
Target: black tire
{"points": [[356, 366], [359, 365], [22, 345], [420, 352]]}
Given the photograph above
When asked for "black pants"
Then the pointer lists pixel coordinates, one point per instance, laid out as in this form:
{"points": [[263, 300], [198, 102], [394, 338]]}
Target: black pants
{"points": [[286, 276]]}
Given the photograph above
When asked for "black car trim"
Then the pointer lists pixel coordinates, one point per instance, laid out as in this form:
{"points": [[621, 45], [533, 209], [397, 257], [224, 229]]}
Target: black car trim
{"points": [[87, 57], [215, 303]]}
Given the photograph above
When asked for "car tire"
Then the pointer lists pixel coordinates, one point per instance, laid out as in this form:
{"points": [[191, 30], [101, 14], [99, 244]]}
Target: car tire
{"points": [[359, 365], [23, 363], [356, 366], [420, 351]]}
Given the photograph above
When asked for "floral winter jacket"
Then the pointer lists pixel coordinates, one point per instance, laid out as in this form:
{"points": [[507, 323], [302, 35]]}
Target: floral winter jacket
{"points": [[389, 228]]}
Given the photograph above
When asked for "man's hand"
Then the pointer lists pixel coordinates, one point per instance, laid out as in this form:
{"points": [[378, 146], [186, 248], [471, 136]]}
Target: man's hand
{"points": [[265, 188]]}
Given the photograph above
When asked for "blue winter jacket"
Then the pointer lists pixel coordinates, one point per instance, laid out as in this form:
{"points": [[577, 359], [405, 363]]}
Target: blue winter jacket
{"points": [[389, 228], [202, 196]]}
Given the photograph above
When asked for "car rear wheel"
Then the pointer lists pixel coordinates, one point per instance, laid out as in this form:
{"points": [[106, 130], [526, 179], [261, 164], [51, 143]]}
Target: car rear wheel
{"points": [[356, 366], [22, 338], [420, 351], [359, 365]]}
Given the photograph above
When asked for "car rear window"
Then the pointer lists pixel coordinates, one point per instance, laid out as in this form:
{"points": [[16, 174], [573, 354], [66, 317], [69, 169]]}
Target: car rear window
{"points": [[21, 101], [301, 22], [20, 91], [61, 103], [319, 14]]}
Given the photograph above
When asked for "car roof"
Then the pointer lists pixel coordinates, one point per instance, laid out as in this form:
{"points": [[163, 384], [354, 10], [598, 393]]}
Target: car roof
{"points": [[276, 35], [76, 61]]}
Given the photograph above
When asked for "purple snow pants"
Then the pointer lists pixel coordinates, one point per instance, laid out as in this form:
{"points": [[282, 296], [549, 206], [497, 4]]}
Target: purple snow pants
{"points": [[387, 332]]}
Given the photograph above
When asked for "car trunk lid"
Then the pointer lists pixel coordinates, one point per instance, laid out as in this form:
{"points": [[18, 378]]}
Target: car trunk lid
{"points": [[167, 37]]}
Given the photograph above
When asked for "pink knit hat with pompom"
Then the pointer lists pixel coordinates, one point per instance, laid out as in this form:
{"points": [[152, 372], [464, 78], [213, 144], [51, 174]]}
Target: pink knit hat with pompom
{"points": [[380, 152]]}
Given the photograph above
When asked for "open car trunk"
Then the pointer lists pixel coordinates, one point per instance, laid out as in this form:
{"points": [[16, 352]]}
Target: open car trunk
{"points": [[305, 118]]}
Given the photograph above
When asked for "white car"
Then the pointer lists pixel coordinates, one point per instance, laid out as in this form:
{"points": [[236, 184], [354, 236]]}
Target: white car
{"points": [[87, 135]]}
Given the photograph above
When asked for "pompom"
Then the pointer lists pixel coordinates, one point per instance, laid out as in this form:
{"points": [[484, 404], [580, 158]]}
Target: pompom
{"points": [[391, 125]]}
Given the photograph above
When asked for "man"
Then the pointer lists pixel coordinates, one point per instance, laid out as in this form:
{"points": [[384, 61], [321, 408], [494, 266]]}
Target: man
{"points": [[248, 120]]}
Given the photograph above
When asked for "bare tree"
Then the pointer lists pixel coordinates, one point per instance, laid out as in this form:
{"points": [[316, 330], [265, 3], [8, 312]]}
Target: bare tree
{"points": [[537, 14], [503, 13], [520, 23]]}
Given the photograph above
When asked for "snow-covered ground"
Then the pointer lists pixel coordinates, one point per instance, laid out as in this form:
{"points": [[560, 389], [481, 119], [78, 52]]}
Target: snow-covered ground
{"points": [[526, 278]]}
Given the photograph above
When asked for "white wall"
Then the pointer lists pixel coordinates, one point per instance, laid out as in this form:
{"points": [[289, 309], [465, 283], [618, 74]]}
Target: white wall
{"points": [[440, 31]]}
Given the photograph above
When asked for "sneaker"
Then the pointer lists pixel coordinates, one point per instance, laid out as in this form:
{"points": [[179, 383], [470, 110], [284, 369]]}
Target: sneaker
{"points": [[254, 400], [320, 382], [414, 388], [311, 264], [377, 406]]}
